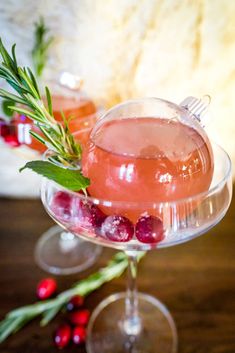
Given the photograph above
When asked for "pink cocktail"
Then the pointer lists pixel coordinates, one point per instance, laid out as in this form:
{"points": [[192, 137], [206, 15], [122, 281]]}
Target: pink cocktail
{"points": [[147, 159], [80, 113], [156, 181]]}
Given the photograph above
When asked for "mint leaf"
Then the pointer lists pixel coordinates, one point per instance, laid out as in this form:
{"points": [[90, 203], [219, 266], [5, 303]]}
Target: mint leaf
{"points": [[68, 178]]}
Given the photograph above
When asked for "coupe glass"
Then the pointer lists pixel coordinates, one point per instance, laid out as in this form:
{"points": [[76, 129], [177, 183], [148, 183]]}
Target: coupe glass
{"points": [[132, 321], [57, 251]]}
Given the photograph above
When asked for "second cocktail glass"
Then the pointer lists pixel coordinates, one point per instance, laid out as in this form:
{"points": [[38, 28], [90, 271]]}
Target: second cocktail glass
{"points": [[57, 251]]}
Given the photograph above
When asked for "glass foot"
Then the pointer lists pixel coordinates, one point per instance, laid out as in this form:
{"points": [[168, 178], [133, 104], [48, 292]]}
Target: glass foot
{"points": [[61, 253], [106, 330]]}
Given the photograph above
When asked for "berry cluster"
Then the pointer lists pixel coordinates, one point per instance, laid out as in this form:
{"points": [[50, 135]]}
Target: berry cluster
{"points": [[74, 329], [87, 216], [9, 134]]}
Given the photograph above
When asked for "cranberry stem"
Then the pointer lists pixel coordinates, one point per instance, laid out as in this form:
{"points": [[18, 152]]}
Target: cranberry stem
{"points": [[132, 323]]}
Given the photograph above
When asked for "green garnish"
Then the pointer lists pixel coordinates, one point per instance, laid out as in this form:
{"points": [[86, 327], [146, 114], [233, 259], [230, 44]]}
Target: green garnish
{"points": [[5, 108], [39, 56], [57, 137], [18, 318], [70, 179], [41, 45]]}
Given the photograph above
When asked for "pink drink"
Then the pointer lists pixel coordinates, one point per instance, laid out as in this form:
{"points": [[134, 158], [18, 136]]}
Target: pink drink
{"points": [[146, 160], [80, 114]]}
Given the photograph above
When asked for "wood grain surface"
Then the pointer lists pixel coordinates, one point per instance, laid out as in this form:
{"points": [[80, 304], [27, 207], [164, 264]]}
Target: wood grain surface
{"points": [[195, 280]]}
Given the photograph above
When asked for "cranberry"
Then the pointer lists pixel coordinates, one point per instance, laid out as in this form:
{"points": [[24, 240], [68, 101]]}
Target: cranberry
{"points": [[88, 215], [61, 204], [98, 216], [46, 288], [4, 128], [62, 336], [12, 140], [149, 229], [75, 303], [117, 228], [79, 335], [80, 317]]}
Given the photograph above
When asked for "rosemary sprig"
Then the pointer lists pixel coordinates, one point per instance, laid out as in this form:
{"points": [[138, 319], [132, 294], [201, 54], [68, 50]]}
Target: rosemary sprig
{"points": [[41, 45], [48, 309], [54, 135], [39, 56]]}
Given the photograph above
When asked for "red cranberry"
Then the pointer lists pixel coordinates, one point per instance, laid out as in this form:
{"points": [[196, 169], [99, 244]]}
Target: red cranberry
{"points": [[149, 229], [61, 204], [62, 336], [79, 335], [75, 303], [12, 140], [98, 216], [4, 128], [80, 317], [88, 215], [117, 228], [46, 288]]}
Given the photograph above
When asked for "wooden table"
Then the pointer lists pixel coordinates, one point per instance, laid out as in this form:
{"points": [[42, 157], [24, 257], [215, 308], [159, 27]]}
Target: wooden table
{"points": [[195, 280]]}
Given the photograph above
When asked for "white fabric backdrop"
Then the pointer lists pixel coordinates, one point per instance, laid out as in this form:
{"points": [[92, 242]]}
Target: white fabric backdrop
{"points": [[132, 48]]}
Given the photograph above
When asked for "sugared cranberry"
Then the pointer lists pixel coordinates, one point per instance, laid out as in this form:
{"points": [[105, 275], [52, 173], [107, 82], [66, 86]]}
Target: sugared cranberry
{"points": [[62, 336], [75, 303], [149, 229], [117, 228], [4, 128], [80, 317], [88, 215], [46, 288], [79, 335], [61, 204], [12, 140], [98, 216]]}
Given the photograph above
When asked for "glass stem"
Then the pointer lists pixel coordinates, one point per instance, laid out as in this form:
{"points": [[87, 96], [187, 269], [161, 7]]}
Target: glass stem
{"points": [[67, 241], [132, 324]]}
